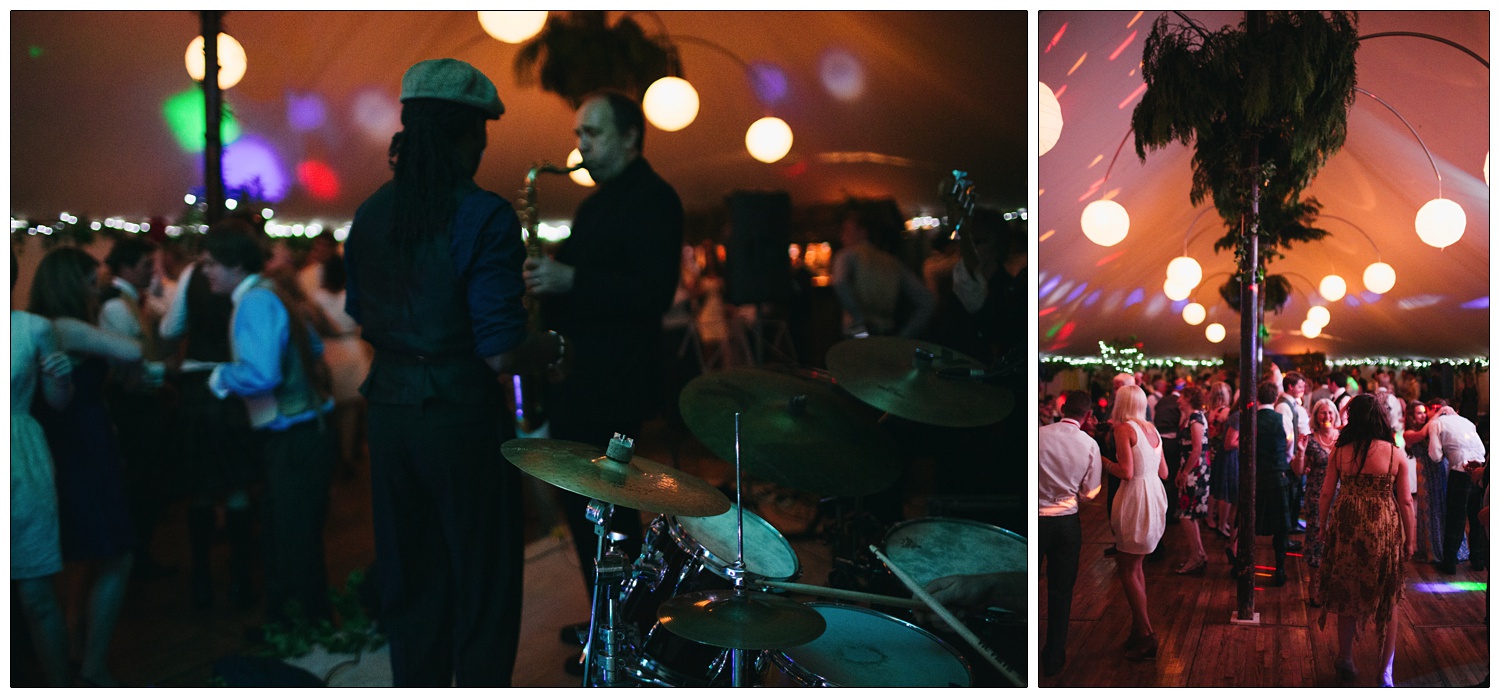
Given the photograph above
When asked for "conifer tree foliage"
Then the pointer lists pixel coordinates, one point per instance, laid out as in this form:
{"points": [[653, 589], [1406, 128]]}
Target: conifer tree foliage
{"points": [[1283, 93]]}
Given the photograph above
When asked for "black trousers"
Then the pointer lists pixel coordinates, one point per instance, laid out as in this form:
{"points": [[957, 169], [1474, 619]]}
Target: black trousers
{"points": [[298, 463], [449, 543], [1464, 502], [1061, 539], [1171, 449]]}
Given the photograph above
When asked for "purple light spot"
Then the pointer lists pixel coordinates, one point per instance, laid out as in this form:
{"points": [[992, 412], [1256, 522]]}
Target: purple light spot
{"points": [[305, 112], [1076, 293], [1092, 299], [769, 82], [376, 113], [1369, 296], [1135, 296], [1177, 306], [1351, 300], [1048, 285], [251, 163], [1480, 303]]}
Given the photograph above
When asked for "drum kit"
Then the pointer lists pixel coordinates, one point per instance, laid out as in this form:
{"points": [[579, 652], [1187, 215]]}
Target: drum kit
{"points": [[701, 605]]}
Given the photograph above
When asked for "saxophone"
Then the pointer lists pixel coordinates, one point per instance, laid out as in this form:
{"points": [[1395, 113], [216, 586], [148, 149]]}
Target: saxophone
{"points": [[529, 413]]}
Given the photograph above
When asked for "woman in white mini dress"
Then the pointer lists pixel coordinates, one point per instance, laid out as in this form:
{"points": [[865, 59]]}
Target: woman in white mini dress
{"points": [[1139, 515]]}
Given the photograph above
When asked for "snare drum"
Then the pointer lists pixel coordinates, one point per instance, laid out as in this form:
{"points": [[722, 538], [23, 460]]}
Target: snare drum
{"points": [[866, 649], [684, 554], [927, 549]]}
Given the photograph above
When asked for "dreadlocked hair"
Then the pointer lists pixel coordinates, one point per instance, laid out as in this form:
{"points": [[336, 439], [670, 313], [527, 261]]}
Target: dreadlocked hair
{"points": [[430, 165]]}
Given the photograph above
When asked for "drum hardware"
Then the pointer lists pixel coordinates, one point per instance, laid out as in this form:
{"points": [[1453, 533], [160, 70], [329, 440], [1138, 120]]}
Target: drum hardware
{"points": [[918, 381], [610, 569], [949, 618]]}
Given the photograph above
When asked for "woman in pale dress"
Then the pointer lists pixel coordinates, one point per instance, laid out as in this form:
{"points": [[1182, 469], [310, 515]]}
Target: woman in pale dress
{"points": [[1139, 516]]}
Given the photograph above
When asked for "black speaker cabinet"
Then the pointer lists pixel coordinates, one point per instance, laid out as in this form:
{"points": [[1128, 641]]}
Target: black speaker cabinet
{"points": [[758, 266]]}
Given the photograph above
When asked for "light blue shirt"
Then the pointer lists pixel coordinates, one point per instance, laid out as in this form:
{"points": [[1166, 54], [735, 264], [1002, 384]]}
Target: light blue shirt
{"points": [[259, 335]]}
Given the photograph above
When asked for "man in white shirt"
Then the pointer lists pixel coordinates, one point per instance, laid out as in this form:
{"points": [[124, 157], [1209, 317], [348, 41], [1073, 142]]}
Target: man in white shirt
{"points": [[1068, 466], [1298, 428], [1455, 438]]}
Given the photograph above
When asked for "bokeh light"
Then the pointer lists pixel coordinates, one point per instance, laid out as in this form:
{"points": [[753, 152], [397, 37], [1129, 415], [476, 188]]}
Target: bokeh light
{"points": [[184, 114], [843, 75], [251, 162], [318, 179], [305, 112], [512, 26], [376, 113], [670, 103], [1441, 222], [1214, 333], [769, 82], [1332, 287], [231, 57], [768, 139], [1194, 313], [579, 176]]}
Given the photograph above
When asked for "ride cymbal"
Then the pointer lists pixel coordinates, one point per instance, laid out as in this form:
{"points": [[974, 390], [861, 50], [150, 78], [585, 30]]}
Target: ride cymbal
{"points": [[795, 431], [751, 620], [906, 378], [638, 484]]}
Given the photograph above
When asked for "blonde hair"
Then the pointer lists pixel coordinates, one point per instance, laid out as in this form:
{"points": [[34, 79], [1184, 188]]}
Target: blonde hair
{"points": [[1130, 405], [1218, 395], [1313, 413]]}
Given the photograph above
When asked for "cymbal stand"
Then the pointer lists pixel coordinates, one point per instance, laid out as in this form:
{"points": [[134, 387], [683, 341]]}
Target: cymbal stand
{"points": [[737, 573], [610, 570]]}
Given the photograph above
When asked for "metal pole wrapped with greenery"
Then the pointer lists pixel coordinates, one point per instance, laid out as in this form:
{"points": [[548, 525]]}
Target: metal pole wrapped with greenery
{"points": [[1264, 105]]}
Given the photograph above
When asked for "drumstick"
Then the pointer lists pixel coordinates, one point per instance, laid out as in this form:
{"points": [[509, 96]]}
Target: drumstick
{"points": [[953, 622], [846, 594]]}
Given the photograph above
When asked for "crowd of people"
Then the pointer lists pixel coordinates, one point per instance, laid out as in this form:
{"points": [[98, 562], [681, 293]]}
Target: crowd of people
{"points": [[1370, 475]]}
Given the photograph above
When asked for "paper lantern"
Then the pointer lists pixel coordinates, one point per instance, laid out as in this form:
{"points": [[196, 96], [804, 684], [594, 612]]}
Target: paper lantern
{"points": [[1441, 222], [1318, 315], [1215, 333], [232, 60], [670, 104], [1332, 287], [512, 26], [1311, 329], [1185, 271], [1176, 291], [1194, 313], [1380, 277], [581, 176], [1105, 222], [1049, 121], [768, 139]]}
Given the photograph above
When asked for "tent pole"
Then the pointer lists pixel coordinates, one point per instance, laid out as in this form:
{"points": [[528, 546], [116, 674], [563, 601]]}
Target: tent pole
{"points": [[1250, 315], [213, 111]]}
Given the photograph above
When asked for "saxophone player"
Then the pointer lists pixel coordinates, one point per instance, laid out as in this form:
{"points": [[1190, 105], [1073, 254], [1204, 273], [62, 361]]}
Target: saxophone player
{"points": [[434, 279], [607, 288]]}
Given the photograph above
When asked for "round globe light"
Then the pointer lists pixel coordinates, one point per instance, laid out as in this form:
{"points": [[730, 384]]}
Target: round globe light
{"points": [[1441, 222], [1049, 121], [1194, 313], [1105, 222], [1318, 315], [670, 104], [1185, 271], [1380, 277], [1176, 291], [768, 139], [581, 176], [512, 26], [1332, 287], [1311, 329], [1215, 333], [232, 60]]}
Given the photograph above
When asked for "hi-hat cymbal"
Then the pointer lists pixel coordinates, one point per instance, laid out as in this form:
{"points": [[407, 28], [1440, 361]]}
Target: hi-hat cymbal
{"points": [[887, 373], [751, 620], [795, 431], [638, 484]]}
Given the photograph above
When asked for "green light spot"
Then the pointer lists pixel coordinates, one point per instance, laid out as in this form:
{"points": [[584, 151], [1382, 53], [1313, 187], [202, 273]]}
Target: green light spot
{"points": [[1053, 331], [184, 114], [35, 51], [1469, 586]]}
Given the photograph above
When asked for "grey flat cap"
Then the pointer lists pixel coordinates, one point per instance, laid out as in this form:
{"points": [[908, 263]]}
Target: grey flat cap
{"points": [[452, 80]]}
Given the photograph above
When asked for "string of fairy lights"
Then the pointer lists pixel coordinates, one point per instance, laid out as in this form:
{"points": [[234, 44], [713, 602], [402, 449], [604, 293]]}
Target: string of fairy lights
{"points": [[1132, 359]]}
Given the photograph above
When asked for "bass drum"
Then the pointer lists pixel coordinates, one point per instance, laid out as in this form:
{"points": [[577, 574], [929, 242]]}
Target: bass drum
{"points": [[685, 554], [866, 649]]}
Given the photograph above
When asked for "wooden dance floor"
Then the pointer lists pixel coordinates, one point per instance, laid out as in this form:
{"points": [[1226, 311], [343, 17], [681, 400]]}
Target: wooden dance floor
{"points": [[1443, 639]]}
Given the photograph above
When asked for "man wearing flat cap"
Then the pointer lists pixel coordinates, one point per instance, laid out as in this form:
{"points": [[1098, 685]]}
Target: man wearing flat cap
{"points": [[607, 289], [434, 279]]}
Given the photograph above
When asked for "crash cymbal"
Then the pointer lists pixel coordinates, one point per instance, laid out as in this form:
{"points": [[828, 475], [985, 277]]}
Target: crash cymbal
{"points": [[751, 620], [638, 484], [795, 431], [888, 373]]}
